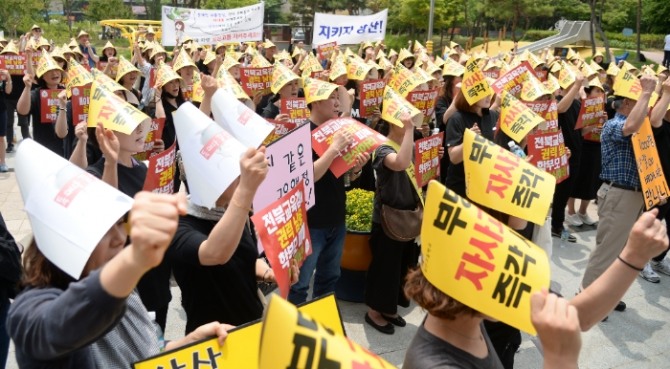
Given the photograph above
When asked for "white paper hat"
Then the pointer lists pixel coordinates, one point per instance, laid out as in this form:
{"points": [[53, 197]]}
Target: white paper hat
{"points": [[69, 209], [211, 155], [242, 122]]}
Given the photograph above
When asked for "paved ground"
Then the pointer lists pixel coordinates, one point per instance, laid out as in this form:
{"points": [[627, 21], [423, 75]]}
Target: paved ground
{"points": [[637, 338]]}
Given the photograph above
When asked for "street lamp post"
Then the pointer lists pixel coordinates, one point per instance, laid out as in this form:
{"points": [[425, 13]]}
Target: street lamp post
{"points": [[431, 14]]}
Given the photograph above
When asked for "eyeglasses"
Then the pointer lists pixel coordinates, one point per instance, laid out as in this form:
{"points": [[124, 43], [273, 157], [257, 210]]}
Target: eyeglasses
{"points": [[37, 30]]}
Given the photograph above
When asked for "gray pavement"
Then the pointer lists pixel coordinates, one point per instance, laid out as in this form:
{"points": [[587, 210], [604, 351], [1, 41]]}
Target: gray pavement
{"points": [[636, 338]]}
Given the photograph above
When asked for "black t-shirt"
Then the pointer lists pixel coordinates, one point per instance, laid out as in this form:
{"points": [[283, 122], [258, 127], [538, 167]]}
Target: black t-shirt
{"points": [[3, 97], [154, 287], [271, 110], [441, 107], [44, 133], [427, 351], [17, 87], [396, 190], [662, 138], [225, 293], [573, 137], [330, 197], [456, 126], [169, 132]]}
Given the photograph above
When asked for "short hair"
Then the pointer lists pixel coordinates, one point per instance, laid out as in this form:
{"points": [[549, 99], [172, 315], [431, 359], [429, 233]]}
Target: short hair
{"points": [[40, 272], [431, 299]]}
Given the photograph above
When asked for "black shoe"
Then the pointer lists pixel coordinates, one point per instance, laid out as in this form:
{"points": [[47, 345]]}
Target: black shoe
{"points": [[621, 306], [395, 320], [605, 319], [10, 148], [386, 329], [557, 234]]}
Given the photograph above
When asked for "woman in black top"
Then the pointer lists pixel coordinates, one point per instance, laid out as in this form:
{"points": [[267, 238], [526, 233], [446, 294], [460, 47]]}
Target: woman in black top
{"points": [[5, 89], [479, 119], [29, 103], [444, 109]]}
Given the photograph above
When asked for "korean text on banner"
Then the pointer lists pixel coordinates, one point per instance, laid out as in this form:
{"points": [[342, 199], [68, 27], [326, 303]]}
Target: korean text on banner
{"points": [[516, 119], [365, 139], [290, 162], [512, 81], [281, 130], [81, 97], [15, 64], [349, 29], [282, 230], [49, 106], [256, 81], [155, 133], [161, 171], [477, 260], [474, 85], [427, 158], [424, 101], [241, 122], [296, 109], [291, 337], [325, 50], [592, 112], [548, 153], [548, 110], [241, 348], [652, 178], [372, 94], [500, 180], [208, 27]]}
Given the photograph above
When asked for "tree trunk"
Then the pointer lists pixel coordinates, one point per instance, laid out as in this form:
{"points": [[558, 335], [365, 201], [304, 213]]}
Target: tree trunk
{"points": [[602, 34], [639, 15], [592, 5]]}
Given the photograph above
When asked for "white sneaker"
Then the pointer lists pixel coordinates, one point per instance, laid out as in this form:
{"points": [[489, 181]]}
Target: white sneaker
{"points": [[649, 275], [574, 220], [661, 266], [586, 219]]}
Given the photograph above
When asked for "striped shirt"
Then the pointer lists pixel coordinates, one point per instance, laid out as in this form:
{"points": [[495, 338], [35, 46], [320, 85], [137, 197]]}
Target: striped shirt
{"points": [[618, 159]]}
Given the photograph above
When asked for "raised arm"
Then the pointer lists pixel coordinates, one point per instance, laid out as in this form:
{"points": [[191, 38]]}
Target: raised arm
{"points": [[23, 105], [401, 161], [661, 106], [641, 108]]}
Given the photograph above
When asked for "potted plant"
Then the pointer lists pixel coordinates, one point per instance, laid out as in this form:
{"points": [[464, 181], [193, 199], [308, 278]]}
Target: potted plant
{"points": [[356, 254]]}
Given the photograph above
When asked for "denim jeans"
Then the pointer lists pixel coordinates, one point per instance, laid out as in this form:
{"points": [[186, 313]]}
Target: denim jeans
{"points": [[327, 245]]}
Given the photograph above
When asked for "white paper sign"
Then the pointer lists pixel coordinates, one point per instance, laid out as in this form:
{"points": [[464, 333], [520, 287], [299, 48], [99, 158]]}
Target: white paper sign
{"points": [[211, 155], [208, 27], [242, 122], [349, 29], [290, 161], [65, 206]]}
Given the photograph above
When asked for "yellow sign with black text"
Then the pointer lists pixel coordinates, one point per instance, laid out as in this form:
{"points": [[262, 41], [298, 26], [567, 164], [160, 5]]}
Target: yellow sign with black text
{"points": [[497, 179], [654, 185], [477, 260]]}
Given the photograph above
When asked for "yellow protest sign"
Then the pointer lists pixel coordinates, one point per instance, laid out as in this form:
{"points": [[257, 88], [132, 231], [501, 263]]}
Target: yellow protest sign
{"points": [[197, 93], [517, 119], [500, 180], [105, 82], [46, 64], [477, 260], [452, 68], [627, 85], [317, 90], [112, 111], [394, 106], [567, 76], [226, 80], [77, 76], [652, 178], [552, 84], [474, 85], [281, 75], [337, 69], [310, 64], [403, 80], [293, 339], [533, 89], [357, 69], [241, 348]]}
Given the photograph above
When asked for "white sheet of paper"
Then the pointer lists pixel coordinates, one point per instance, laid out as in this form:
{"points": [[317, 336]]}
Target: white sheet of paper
{"points": [[69, 209], [211, 155], [242, 122]]}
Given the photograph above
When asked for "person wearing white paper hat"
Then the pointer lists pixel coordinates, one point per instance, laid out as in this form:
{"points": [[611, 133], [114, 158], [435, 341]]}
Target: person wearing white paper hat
{"points": [[78, 308], [49, 76], [326, 218], [214, 256], [108, 61]]}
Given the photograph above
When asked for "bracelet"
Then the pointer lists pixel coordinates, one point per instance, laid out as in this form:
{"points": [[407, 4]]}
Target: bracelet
{"points": [[629, 264], [265, 275], [236, 204]]}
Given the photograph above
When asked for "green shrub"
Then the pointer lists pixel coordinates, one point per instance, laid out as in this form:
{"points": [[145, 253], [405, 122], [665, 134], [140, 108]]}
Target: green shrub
{"points": [[537, 34], [359, 210]]}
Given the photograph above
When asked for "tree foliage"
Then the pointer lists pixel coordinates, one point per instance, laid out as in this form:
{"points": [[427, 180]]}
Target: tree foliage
{"points": [[98, 10], [16, 16]]}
